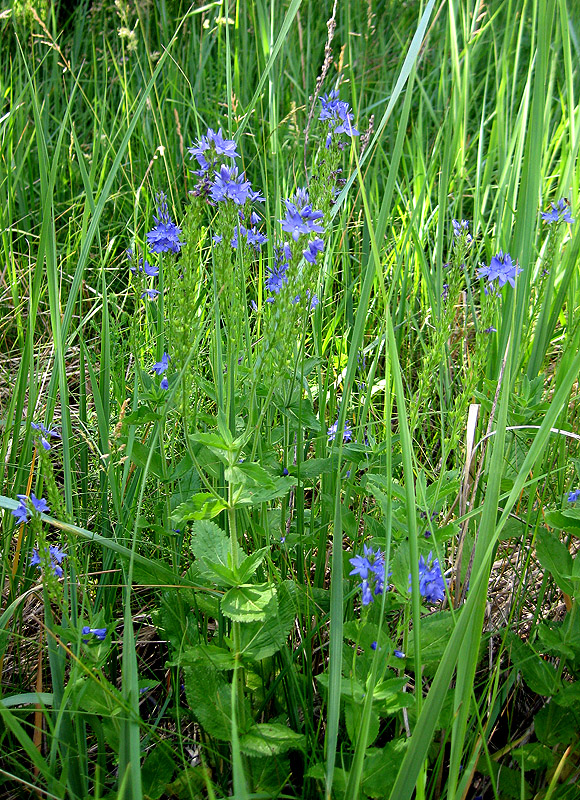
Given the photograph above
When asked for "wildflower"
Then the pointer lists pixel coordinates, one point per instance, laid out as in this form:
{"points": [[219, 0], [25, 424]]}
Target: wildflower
{"points": [[45, 434], [501, 268], [338, 114], [165, 235], [150, 293], [371, 566], [215, 145], [150, 269], [228, 186], [559, 213], [398, 654], [161, 366], [373, 645], [285, 472], [314, 247], [346, 436], [431, 581], [572, 496], [461, 229], [301, 222], [56, 556], [164, 384], [217, 238], [491, 329], [21, 512], [98, 633], [255, 238]]}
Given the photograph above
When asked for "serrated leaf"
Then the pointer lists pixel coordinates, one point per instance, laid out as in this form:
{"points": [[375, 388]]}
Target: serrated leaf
{"points": [[553, 555], [249, 474], [250, 603], [270, 739], [250, 564], [260, 640], [254, 497], [211, 548], [314, 467], [202, 505]]}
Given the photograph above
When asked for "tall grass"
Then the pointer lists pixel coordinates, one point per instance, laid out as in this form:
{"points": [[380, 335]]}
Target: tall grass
{"points": [[468, 110]]}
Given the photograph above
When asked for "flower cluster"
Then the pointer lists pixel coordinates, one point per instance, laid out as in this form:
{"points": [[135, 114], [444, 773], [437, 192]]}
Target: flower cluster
{"points": [[461, 229], [276, 276], [370, 567], [22, 511], [574, 496], [332, 431], [559, 212], [45, 434], [501, 269], [165, 235], [300, 219], [210, 147], [55, 555], [338, 114], [431, 580]]}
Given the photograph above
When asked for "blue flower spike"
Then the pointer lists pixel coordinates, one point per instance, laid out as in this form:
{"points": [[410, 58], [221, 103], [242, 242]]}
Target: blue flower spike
{"points": [[431, 580], [56, 556], [558, 212], [164, 237], [45, 434], [370, 567]]}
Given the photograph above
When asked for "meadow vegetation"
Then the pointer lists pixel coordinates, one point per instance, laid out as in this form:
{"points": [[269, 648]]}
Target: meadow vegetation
{"points": [[289, 404]]}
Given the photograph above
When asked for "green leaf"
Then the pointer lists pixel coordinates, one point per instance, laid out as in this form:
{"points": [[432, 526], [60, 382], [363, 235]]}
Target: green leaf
{"points": [[209, 695], [565, 520], [260, 640], [271, 738], [250, 564], [538, 674], [314, 467], [555, 558], [533, 756], [353, 715], [299, 411], [203, 505], [211, 548], [141, 415], [250, 603], [249, 474], [188, 485], [380, 768], [557, 725], [140, 457], [254, 497], [157, 770]]}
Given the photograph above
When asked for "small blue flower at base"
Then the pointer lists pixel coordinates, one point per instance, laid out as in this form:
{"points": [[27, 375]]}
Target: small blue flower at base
{"points": [[431, 580], [572, 496], [98, 633], [164, 384]]}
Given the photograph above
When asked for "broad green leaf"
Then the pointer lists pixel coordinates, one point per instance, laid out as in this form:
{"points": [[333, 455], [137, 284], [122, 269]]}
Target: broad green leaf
{"points": [[203, 505], [380, 768], [260, 640], [141, 415], [211, 547], [556, 724], [254, 497], [250, 564], [553, 555], [250, 603], [271, 738], [565, 520], [249, 474], [157, 770], [140, 456], [353, 715]]}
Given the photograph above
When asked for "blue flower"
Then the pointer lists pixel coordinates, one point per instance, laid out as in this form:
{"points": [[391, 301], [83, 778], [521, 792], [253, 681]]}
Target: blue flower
{"points": [[461, 229], [56, 556], [164, 384], [161, 366], [314, 247], [150, 293], [228, 186], [559, 213], [301, 222], [256, 238], [398, 654], [98, 633], [369, 567], [165, 235], [346, 436], [216, 144], [338, 114], [45, 434], [491, 329], [572, 496], [501, 268], [431, 580]]}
